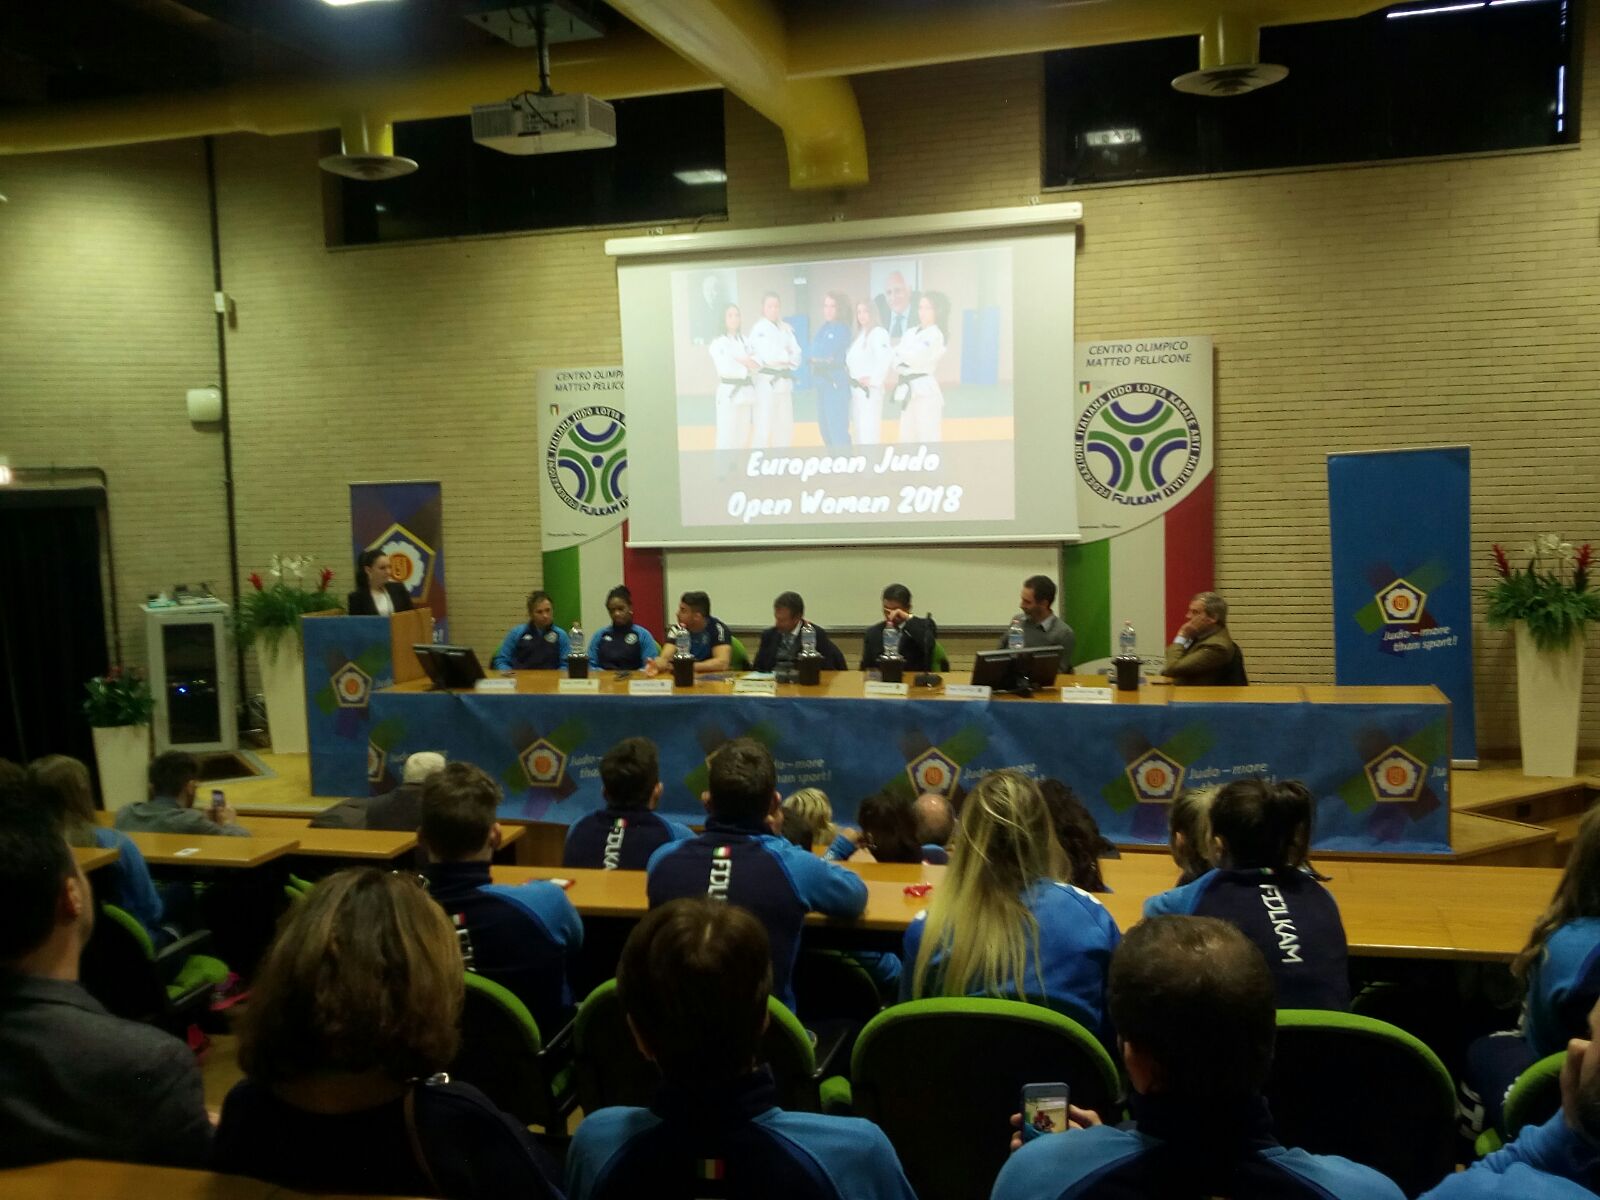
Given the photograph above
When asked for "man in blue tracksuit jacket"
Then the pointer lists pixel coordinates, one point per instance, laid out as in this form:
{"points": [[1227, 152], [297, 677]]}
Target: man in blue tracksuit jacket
{"points": [[623, 835], [694, 980], [1193, 1003], [523, 937], [740, 860]]}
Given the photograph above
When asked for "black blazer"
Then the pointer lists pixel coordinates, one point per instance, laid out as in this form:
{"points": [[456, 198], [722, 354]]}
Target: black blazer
{"points": [[767, 653], [360, 602]]}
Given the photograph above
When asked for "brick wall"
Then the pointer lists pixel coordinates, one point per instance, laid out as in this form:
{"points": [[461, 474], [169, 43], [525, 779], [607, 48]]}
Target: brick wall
{"points": [[1401, 305]]}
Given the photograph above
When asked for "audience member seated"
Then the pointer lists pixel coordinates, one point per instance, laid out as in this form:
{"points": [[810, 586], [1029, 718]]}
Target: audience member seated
{"points": [[1189, 833], [936, 825], [540, 645], [740, 860], [126, 882], [174, 780], [780, 643], [1560, 968], [522, 936], [401, 809], [1193, 1004], [1001, 923], [813, 810], [888, 833], [1202, 652], [624, 834], [1077, 835], [357, 1004], [694, 979], [1260, 833], [76, 1082], [1559, 1160]]}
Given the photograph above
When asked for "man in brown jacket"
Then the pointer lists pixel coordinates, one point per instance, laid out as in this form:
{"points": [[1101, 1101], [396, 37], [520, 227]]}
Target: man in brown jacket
{"points": [[1202, 653]]}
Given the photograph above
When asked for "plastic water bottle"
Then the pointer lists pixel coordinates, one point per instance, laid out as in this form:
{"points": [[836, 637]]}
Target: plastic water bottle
{"points": [[1127, 643], [576, 635], [808, 639], [1014, 634], [577, 654], [891, 641], [682, 657]]}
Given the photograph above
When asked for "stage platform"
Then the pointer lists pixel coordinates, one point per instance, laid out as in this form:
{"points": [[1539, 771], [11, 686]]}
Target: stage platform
{"points": [[1498, 816]]}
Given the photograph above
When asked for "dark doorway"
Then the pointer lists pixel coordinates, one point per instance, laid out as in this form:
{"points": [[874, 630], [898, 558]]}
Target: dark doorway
{"points": [[52, 619]]}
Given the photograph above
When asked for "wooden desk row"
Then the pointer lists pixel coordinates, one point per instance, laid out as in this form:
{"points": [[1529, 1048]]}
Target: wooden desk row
{"points": [[132, 1181], [1390, 910]]}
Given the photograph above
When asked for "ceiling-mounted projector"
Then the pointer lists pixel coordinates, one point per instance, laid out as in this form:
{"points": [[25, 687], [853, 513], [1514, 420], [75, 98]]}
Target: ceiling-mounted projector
{"points": [[539, 124]]}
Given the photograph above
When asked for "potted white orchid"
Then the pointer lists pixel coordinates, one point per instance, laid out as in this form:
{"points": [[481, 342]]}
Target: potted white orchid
{"points": [[269, 619], [1548, 606]]}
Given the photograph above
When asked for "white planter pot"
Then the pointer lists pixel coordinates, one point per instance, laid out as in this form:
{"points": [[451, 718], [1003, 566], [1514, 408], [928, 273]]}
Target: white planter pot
{"points": [[283, 683], [122, 753], [1549, 689]]}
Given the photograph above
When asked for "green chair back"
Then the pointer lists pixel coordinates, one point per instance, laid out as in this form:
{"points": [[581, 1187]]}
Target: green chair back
{"points": [[1362, 1088], [941, 660], [832, 985], [504, 1056], [1535, 1097], [130, 925], [942, 1077], [608, 1068], [739, 659]]}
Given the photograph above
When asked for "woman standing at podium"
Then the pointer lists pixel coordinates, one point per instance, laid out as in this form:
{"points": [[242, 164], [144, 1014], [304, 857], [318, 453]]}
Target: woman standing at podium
{"points": [[379, 595]]}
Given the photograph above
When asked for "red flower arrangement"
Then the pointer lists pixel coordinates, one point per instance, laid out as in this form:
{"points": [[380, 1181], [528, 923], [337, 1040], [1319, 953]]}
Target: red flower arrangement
{"points": [[255, 578], [1550, 596]]}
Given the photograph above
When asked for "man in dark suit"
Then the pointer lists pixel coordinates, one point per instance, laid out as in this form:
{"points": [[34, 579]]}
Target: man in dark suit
{"points": [[1202, 653], [918, 635], [76, 1082], [780, 645], [379, 595], [897, 306]]}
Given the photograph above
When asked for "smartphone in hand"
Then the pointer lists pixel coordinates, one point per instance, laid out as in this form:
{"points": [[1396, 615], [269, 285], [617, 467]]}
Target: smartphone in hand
{"points": [[1044, 1109], [218, 800]]}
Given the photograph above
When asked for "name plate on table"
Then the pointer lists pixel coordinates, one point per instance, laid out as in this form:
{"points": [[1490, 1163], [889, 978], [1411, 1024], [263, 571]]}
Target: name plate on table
{"points": [[755, 685], [968, 691], [578, 687], [884, 691], [492, 684], [1086, 695], [649, 687]]}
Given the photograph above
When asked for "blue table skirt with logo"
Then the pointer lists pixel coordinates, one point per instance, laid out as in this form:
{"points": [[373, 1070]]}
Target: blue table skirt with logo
{"points": [[1380, 772]]}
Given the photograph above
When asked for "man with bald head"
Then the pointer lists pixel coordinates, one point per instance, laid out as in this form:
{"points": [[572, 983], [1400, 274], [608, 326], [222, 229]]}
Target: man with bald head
{"points": [[897, 306], [936, 823]]}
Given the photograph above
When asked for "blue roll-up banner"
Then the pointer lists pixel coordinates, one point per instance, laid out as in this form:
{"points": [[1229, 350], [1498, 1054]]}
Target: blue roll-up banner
{"points": [[405, 521], [1400, 524]]}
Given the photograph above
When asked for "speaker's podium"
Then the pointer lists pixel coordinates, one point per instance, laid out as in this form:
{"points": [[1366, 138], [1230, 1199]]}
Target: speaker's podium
{"points": [[347, 659]]}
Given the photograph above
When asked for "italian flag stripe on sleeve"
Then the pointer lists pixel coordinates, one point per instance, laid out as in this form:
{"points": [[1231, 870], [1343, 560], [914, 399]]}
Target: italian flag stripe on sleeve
{"points": [[712, 1168], [720, 852]]}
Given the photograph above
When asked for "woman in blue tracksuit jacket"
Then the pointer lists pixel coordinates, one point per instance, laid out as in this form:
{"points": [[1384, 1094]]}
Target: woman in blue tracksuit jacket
{"points": [[622, 645]]}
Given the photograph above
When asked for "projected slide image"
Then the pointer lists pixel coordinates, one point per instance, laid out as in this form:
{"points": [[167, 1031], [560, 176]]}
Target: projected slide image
{"points": [[847, 390]]}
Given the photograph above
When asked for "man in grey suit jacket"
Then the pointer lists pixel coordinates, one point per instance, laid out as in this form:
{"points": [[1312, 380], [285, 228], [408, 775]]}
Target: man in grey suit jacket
{"points": [[76, 1082]]}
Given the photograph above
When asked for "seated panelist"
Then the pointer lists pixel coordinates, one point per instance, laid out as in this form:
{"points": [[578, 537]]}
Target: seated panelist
{"points": [[622, 645], [709, 639], [540, 645], [780, 645], [917, 634], [1203, 652], [376, 594]]}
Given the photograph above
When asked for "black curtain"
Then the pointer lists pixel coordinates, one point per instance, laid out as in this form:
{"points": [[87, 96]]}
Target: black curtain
{"points": [[52, 620]]}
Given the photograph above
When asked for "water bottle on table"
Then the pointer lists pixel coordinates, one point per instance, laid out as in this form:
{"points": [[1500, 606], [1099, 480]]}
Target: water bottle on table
{"points": [[577, 656], [891, 666], [1014, 637], [682, 657], [808, 663], [1127, 660]]}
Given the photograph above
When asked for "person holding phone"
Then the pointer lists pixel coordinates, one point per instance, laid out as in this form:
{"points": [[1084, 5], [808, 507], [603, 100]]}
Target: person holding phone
{"points": [[1196, 1015], [174, 782]]}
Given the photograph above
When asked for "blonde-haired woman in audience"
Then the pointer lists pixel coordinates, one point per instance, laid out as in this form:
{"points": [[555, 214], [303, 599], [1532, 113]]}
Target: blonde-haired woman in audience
{"points": [[811, 806], [1189, 833], [1001, 923], [66, 781], [356, 1005]]}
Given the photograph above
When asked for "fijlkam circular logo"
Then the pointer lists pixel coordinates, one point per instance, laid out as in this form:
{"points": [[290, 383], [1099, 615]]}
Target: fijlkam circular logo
{"points": [[1138, 443], [585, 460]]}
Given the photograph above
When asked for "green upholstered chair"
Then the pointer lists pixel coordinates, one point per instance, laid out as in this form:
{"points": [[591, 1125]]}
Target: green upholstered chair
{"points": [[506, 1058], [1362, 1088], [608, 1068], [942, 1077], [941, 660], [123, 970], [1534, 1097], [740, 657]]}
